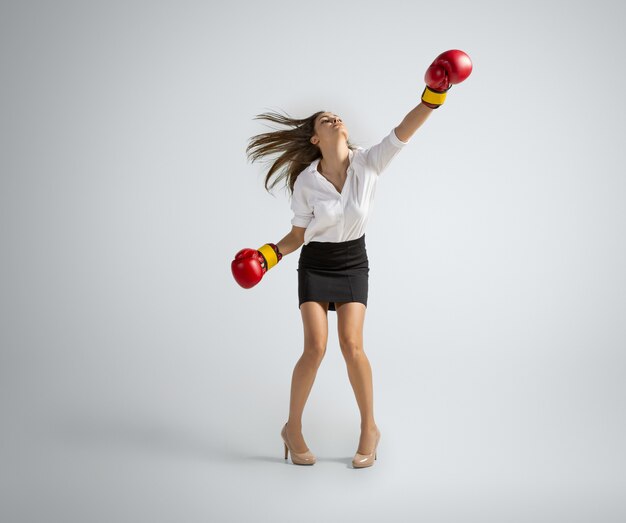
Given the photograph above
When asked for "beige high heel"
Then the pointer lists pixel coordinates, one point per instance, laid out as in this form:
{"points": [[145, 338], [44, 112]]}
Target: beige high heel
{"points": [[366, 460], [303, 458]]}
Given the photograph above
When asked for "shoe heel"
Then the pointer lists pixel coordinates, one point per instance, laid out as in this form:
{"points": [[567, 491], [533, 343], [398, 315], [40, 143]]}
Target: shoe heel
{"points": [[365, 460], [306, 458]]}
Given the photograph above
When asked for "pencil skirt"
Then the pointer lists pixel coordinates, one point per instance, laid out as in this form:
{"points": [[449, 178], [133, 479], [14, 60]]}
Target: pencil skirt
{"points": [[333, 272]]}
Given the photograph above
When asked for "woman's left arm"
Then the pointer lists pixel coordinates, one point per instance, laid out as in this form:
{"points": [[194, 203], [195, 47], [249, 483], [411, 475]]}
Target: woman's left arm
{"points": [[412, 122]]}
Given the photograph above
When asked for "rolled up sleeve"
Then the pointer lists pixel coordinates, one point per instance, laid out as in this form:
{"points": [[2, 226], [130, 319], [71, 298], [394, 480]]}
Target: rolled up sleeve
{"points": [[380, 155], [302, 211]]}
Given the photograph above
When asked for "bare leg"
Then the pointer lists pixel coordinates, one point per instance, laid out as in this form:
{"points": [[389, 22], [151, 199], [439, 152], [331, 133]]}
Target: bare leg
{"points": [[315, 323], [360, 375], [351, 317]]}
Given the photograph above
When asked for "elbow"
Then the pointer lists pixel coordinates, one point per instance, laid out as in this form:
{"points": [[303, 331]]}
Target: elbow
{"points": [[402, 134]]}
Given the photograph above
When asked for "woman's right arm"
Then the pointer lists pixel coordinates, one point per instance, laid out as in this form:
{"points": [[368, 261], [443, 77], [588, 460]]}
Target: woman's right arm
{"points": [[291, 242]]}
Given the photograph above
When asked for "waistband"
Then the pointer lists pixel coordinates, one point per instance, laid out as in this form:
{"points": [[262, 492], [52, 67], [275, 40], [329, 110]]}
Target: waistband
{"points": [[347, 243]]}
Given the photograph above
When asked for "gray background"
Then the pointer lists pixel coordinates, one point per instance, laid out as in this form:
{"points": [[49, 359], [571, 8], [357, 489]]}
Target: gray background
{"points": [[138, 382]]}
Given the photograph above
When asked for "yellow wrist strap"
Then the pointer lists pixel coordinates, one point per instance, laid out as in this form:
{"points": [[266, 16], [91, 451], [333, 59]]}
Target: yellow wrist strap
{"points": [[433, 97], [269, 254]]}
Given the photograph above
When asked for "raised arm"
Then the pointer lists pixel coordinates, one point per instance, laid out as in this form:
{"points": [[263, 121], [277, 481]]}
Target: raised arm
{"points": [[413, 121], [449, 68]]}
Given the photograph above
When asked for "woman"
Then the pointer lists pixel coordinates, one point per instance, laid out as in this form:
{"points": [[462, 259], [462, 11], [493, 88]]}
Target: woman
{"points": [[333, 184]]}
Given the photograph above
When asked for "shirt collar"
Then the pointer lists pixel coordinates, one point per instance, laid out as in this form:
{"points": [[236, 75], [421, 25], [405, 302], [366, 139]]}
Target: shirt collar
{"points": [[314, 163]]}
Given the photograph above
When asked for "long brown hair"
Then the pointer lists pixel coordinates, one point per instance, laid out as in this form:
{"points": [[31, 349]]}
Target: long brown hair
{"points": [[293, 146]]}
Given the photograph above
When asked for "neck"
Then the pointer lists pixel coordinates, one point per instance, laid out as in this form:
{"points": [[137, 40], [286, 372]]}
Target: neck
{"points": [[335, 160]]}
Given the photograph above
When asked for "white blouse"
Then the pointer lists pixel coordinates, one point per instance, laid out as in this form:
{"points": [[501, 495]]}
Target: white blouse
{"points": [[331, 216]]}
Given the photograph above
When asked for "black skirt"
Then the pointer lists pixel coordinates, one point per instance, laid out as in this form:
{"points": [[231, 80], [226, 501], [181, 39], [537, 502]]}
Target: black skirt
{"points": [[333, 271]]}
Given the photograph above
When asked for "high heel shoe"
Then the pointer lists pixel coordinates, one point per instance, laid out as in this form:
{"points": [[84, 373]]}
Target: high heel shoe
{"points": [[302, 458], [366, 460]]}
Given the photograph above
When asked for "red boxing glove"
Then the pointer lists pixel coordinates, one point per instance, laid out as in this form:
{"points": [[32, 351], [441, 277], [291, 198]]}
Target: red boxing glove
{"points": [[449, 68], [250, 265]]}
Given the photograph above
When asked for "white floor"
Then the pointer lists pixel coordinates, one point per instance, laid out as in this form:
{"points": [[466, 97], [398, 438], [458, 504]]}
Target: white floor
{"points": [[81, 466]]}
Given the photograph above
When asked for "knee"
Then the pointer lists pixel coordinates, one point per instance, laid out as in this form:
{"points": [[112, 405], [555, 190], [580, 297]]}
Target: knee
{"points": [[351, 349], [314, 352]]}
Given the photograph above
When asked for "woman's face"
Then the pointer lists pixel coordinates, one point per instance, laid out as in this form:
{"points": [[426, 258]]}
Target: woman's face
{"points": [[329, 129]]}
